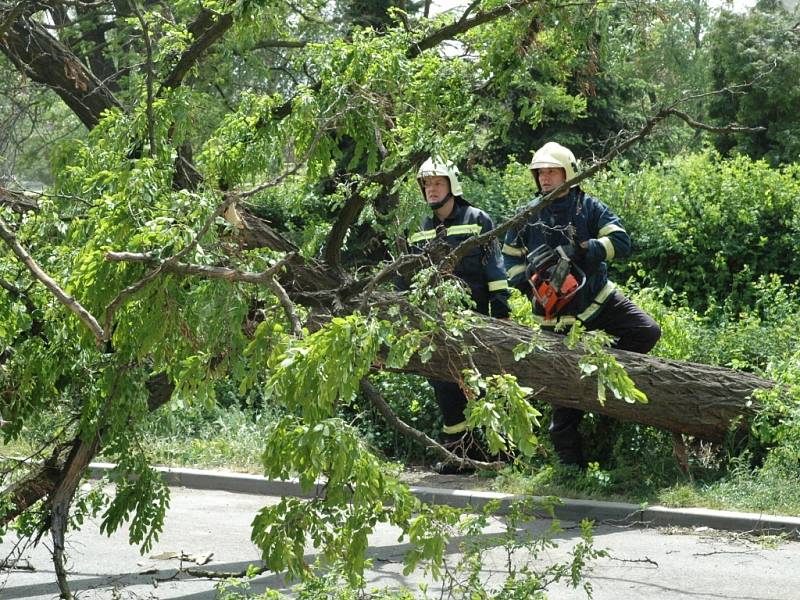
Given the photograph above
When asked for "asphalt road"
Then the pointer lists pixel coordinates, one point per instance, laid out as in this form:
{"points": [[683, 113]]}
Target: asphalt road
{"points": [[667, 564]]}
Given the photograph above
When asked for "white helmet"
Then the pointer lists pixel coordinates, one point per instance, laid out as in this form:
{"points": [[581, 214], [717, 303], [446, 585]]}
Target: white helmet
{"points": [[554, 155], [435, 168]]}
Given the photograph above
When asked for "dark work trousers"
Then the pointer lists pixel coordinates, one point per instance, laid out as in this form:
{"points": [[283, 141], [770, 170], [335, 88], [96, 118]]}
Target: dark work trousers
{"points": [[449, 396], [452, 402], [635, 331]]}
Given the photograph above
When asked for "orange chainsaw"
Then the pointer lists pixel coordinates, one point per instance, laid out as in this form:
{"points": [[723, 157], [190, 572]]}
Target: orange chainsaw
{"points": [[554, 277]]}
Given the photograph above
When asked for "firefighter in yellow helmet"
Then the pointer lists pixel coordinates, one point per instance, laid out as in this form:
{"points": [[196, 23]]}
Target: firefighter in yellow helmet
{"points": [[577, 230], [455, 220]]}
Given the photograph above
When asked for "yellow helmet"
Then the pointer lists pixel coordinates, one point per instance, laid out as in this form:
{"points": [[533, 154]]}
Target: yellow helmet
{"points": [[554, 155], [436, 168]]}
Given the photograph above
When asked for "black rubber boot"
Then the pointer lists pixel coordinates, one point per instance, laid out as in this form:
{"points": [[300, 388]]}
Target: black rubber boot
{"points": [[462, 445], [565, 437]]}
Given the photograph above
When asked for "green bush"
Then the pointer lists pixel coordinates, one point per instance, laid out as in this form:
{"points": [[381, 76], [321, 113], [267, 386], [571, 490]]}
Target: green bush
{"points": [[500, 193], [750, 338], [707, 228], [219, 436]]}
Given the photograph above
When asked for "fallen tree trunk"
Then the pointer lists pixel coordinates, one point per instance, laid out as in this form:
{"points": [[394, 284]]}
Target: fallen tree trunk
{"points": [[695, 399], [690, 398]]}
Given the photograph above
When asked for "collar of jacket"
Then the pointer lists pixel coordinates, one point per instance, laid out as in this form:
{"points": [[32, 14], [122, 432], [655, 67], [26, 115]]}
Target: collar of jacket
{"points": [[459, 206], [566, 202]]}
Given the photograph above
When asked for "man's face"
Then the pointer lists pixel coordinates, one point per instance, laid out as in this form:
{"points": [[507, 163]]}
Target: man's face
{"points": [[436, 188], [550, 178]]}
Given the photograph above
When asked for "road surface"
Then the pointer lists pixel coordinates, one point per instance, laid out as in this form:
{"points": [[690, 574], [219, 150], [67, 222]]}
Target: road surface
{"points": [[700, 564]]}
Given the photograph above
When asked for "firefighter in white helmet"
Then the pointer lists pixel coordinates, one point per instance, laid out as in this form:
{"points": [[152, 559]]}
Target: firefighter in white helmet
{"points": [[583, 229], [482, 270]]}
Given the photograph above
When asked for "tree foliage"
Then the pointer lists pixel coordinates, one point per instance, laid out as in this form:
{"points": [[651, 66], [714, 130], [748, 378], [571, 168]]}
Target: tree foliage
{"points": [[147, 272], [761, 51], [157, 86]]}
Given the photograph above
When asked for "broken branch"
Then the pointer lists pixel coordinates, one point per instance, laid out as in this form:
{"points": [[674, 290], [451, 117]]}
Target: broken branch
{"points": [[73, 305]]}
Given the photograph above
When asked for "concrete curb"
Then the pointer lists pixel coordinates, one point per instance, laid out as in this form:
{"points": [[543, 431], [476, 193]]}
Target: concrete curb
{"points": [[617, 513]]}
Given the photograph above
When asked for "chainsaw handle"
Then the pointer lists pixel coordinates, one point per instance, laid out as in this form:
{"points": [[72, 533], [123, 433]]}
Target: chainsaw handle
{"points": [[581, 278]]}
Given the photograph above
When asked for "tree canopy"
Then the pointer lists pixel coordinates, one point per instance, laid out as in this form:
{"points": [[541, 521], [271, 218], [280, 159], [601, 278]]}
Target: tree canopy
{"points": [[226, 195]]}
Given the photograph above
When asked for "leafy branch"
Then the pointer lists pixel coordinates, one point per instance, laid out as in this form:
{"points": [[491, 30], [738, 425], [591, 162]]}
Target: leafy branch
{"points": [[463, 25], [151, 134], [72, 305], [132, 289], [598, 362], [207, 29]]}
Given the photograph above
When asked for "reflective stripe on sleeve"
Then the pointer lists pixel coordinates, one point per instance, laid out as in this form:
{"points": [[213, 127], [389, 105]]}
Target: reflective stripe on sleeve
{"points": [[565, 320], [500, 284], [609, 246], [610, 228], [598, 301], [422, 235], [516, 270], [457, 428], [471, 229], [512, 251]]}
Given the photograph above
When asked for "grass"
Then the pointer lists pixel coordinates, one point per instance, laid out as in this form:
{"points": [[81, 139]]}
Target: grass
{"points": [[771, 489], [220, 438], [231, 438]]}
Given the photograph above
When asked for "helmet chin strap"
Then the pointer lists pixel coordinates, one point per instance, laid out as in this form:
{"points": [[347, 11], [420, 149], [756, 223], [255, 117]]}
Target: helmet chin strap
{"points": [[440, 203]]}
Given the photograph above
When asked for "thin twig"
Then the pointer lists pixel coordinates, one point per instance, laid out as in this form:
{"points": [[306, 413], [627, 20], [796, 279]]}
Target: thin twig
{"points": [[726, 129], [250, 570], [287, 304], [206, 271], [712, 553], [269, 184], [384, 274], [274, 43], [636, 560], [17, 564], [468, 10]]}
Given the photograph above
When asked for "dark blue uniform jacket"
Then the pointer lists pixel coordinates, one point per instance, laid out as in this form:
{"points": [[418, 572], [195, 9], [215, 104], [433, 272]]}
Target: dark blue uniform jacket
{"points": [[482, 269], [575, 218]]}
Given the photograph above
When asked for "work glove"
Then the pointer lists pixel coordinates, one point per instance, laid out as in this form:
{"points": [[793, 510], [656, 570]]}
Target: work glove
{"points": [[572, 251]]}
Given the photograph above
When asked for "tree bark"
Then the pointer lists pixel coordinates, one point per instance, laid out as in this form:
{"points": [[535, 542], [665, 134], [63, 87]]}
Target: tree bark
{"points": [[699, 400], [46, 60]]}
